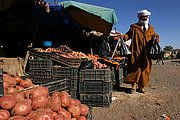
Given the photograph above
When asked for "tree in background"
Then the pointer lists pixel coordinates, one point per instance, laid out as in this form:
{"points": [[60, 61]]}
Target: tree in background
{"points": [[168, 48]]}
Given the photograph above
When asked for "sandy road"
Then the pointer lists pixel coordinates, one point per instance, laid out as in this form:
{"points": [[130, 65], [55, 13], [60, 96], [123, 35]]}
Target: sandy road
{"points": [[162, 97]]}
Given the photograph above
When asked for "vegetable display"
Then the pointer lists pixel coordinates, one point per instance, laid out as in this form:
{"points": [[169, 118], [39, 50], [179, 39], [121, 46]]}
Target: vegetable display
{"points": [[20, 103]]}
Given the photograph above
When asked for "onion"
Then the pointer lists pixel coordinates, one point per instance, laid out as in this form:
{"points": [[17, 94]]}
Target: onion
{"points": [[30, 114], [55, 94], [42, 114], [64, 93], [59, 117], [11, 90], [19, 96], [6, 84], [54, 114], [39, 102], [11, 80], [77, 101], [55, 103], [28, 100], [27, 93], [4, 114], [18, 79], [19, 87], [74, 110], [7, 101], [39, 91], [65, 113], [21, 108], [26, 83], [84, 110], [65, 100]]}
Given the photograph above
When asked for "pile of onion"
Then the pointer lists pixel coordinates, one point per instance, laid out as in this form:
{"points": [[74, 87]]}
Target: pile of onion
{"points": [[37, 103]]}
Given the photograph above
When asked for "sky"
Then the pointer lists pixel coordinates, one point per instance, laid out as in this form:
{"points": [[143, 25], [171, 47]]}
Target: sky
{"points": [[165, 16]]}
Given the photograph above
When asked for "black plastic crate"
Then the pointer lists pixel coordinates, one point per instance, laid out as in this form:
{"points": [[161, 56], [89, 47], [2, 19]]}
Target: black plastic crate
{"points": [[74, 73], [95, 86], [55, 85], [67, 72], [96, 100], [72, 83], [37, 54], [61, 57], [64, 72], [64, 61], [39, 64], [95, 74], [41, 80], [41, 73], [1, 83], [73, 93]]}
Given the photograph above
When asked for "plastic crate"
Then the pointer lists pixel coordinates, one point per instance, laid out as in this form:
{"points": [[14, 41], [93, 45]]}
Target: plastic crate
{"points": [[1, 83], [41, 80], [61, 57], [95, 86], [39, 64], [37, 54], [72, 84], [67, 72], [96, 100], [73, 93], [95, 74], [42, 73], [64, 72], [70, 62], [55, 85]]}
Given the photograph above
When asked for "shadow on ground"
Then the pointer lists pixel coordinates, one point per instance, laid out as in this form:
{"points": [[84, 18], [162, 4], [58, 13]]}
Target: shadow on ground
{"points": [[122, 89]]}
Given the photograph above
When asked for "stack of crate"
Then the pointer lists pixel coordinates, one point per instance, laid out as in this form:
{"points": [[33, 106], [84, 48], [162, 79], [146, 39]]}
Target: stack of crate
{"points": [[41, 71], [95, 87], [71, 75], [1, 83]]}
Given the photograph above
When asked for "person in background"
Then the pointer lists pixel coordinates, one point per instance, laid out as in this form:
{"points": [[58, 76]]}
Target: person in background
{"points": [[104, 49], [139, 64]]}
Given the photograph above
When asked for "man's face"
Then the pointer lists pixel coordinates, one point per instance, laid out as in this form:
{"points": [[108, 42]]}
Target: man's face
{"points": [[143, 18]]}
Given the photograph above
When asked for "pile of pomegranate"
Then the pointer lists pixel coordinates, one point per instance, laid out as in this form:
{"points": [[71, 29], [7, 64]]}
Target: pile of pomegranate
{"points": [[21, 103]]}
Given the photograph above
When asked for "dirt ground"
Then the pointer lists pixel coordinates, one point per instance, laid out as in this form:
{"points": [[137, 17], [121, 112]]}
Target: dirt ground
{"points": [[162, 98]]}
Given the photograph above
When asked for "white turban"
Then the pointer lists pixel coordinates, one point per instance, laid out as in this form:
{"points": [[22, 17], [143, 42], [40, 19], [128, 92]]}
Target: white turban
{"points": [[143, 13]]}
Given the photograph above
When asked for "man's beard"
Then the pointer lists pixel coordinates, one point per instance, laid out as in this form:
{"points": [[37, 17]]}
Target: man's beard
{"points": [[144, 23]]}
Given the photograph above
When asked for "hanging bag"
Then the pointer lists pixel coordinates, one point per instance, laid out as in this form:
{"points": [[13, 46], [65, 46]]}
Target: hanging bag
{"points": [[154, 49], [123, 49]]}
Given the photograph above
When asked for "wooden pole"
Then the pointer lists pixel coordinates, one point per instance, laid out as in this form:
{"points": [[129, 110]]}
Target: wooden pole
{"points": [[30, 46], [115, 48]]}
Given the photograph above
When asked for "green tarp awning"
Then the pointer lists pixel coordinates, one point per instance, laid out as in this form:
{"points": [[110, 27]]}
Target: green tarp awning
{"points": [[107, 14]]}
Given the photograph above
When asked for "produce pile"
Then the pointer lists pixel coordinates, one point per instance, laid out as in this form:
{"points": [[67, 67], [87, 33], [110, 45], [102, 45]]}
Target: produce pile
{"points": [[66, 52], [21, 103]]}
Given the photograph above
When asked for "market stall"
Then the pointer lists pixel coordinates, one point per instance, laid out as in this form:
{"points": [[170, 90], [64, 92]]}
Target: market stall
{"points": [[60, 66]]}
